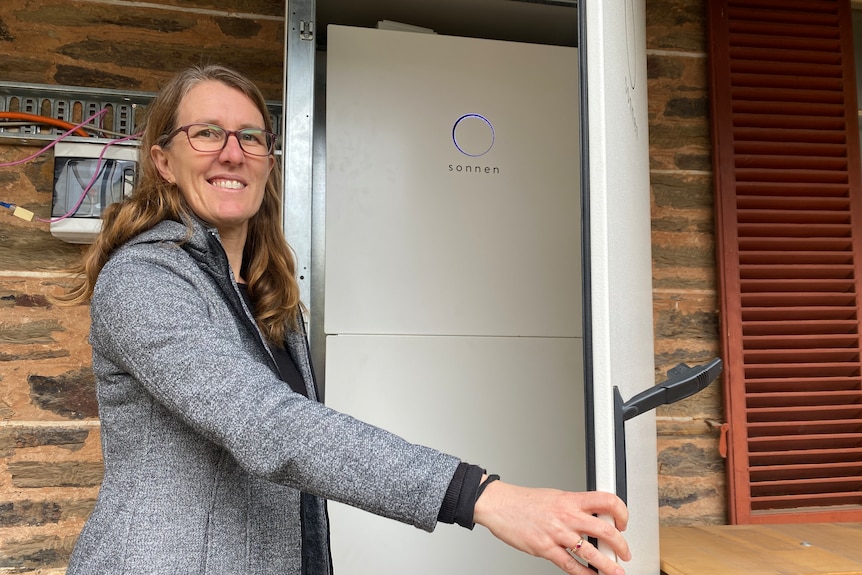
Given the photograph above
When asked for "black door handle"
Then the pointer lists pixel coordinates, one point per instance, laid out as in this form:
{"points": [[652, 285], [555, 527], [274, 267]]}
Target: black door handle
{"points": [[682, 381]]}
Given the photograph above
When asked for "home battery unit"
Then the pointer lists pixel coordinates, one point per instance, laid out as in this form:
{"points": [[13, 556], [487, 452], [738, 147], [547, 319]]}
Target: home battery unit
{"points": [[76, 213]]}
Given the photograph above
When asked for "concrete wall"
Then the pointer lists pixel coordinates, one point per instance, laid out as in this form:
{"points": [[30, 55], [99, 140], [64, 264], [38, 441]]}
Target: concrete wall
{"points": [[50, 464]]}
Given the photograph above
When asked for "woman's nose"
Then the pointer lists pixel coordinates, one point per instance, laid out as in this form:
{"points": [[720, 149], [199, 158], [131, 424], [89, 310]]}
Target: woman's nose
{"points": [[232, 150]]}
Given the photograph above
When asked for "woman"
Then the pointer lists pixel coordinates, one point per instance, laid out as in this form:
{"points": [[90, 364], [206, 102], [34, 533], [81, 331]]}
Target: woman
{"points": [[218, 457]]}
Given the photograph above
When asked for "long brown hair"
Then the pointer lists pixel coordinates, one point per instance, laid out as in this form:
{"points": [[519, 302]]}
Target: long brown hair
{"points": [[268, 264]]}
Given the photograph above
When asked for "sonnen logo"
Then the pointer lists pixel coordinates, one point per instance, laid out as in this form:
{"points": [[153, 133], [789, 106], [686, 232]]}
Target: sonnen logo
{"points": [[473, 135]]}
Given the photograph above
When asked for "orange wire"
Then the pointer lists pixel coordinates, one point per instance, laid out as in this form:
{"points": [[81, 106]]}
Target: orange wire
{"points": [[42, 120]]}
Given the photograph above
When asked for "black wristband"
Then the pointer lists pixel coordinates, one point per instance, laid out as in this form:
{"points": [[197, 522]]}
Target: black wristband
{"points": [[460, 498], [468, 495], [485, 483]]}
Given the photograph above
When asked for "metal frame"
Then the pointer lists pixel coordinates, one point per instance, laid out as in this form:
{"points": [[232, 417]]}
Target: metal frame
{"points": [[303, 168], [71, 104], [74, 104]]}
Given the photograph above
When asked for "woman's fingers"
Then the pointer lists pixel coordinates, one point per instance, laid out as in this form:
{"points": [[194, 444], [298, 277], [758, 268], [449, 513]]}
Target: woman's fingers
{"points": [[556, 525], [607, 526], [584, 553], [603, 503]]}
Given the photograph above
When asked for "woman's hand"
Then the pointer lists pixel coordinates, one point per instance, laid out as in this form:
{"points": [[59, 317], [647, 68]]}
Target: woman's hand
{"points": [[552, 524]]}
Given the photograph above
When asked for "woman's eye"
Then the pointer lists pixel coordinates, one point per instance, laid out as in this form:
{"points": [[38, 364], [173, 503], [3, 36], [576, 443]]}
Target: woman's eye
{"points": [[255, 137]]}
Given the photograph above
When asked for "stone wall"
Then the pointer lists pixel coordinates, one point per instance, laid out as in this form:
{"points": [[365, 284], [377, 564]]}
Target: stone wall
{"points": [[691, 471], [50, 457], [50, 462]]}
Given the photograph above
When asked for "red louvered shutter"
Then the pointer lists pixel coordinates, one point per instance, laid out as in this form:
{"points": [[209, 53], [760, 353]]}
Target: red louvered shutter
{"points": [[789, 248]]}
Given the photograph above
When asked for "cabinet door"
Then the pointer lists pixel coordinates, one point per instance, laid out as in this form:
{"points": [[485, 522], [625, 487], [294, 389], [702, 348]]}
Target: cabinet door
{"points": [[452, 186], [513, 405]]}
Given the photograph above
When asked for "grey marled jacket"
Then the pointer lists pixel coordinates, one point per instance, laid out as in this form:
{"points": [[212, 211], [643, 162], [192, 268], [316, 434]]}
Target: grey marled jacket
{"points": [[213, 466]]}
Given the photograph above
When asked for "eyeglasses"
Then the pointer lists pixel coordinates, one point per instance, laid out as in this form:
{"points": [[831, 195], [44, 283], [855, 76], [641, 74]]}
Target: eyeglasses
{"points": [[212, 138]]}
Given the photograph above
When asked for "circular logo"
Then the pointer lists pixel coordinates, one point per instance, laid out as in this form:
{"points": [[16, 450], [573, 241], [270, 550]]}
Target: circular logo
{"points": [[473, 135]]}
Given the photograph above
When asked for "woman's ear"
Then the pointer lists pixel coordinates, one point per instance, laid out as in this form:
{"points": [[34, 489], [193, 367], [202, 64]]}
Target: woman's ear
{"points": [[160, 159]]}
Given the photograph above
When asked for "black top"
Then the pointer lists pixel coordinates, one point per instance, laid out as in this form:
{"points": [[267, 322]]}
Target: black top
{"points": [[287, 369]]}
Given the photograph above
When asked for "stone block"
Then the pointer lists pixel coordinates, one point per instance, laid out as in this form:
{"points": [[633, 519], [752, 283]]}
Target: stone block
{"points": [[36, 552], [692, 483], [71, 394], [676, 25], [76, 42], [44, 354], [36, 474], [33, 436], [34, 513], [684, 192], [678, 110]]}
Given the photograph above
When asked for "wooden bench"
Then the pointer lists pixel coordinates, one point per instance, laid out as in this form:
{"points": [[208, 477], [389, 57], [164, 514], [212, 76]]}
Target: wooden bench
{"points": [[784, 549]]}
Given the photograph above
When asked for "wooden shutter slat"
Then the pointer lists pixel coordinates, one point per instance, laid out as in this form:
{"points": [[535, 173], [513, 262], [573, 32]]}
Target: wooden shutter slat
{"points": [[815, 501], [797, 286], [754, 245], [807, 398], [778, 353], [790, 175], [808, 44], [810, 485], [766, 116], [791, 230], [806, 443], [759, 216], [792, 189], [786, 76], [779, 334], [793, 299], [781, 411], [798, 102], [791, 257], [827, 472], [790, 164], [810, 457], [806, 203], [742, 31], [801, 134], [779, 114], [780, 271], [802, 316], [811, 369], [797, 341]]}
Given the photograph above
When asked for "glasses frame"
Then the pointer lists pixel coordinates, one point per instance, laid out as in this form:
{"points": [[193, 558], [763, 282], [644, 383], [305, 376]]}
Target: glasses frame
{"points": [[228, 133]]}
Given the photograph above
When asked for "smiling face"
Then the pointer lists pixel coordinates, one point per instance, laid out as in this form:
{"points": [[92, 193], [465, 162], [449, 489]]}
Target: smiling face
{"points": [[224, 188]]}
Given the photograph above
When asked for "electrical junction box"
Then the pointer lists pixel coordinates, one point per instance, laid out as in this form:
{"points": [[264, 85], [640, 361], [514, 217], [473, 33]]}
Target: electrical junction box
{"points": [[76, 217]]}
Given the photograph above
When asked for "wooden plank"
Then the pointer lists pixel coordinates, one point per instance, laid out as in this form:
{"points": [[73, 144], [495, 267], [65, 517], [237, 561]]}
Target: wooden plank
{"points": [[840, 538], [801, 549]]}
